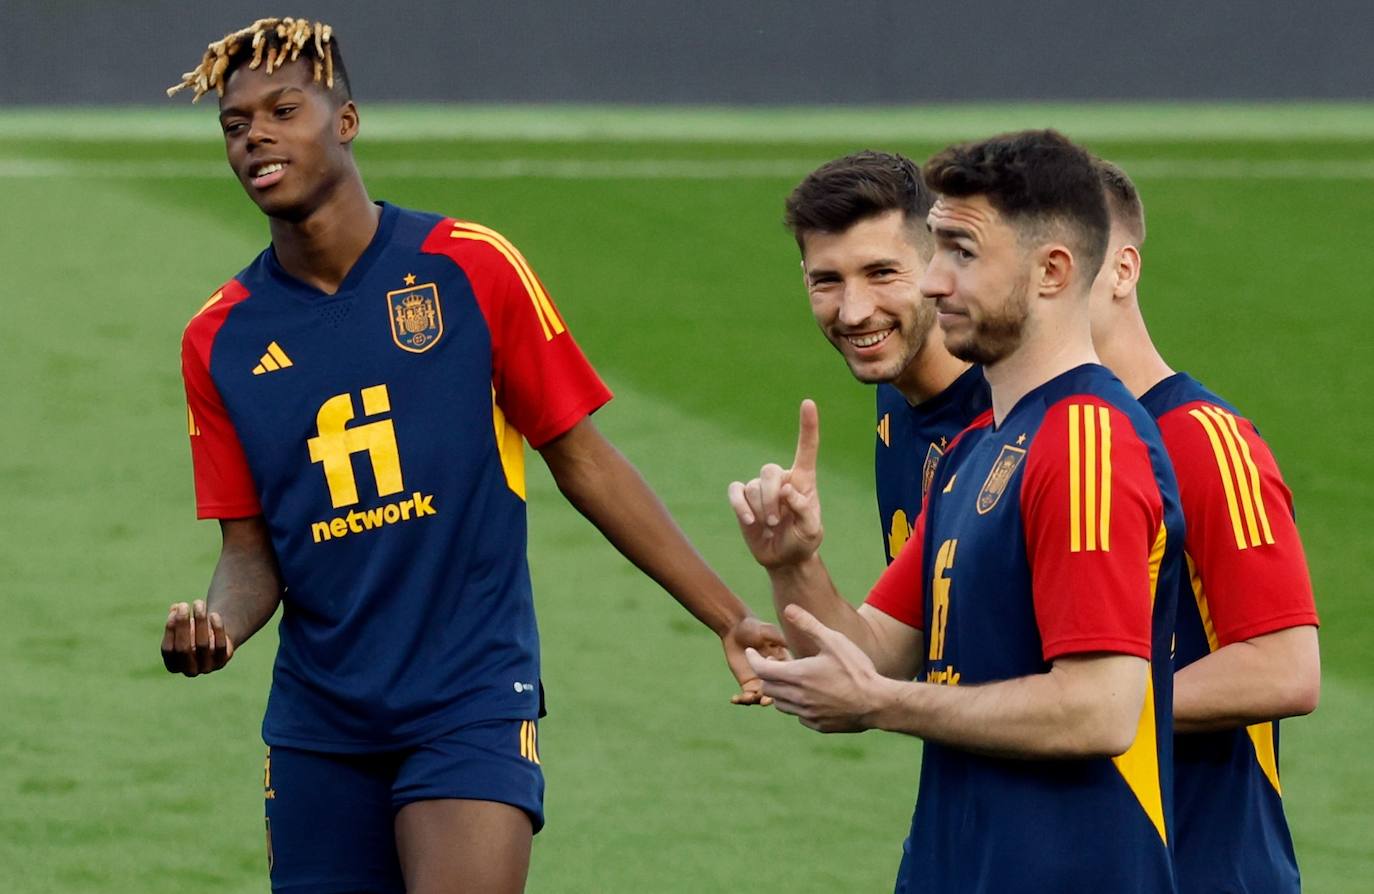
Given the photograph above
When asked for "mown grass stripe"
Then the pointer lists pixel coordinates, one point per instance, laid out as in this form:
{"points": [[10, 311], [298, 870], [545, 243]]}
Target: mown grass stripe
{"points": [[1286, 122]]}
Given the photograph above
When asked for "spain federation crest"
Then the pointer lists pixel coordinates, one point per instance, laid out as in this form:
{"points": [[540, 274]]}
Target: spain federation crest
{"points": [[417, 322], [928, 467], [1008, 461]]}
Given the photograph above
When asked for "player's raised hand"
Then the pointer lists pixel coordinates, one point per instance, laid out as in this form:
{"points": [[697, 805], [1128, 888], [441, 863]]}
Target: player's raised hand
{"points": [[762, 637], [194, 641], [779, 512], [836, 690]]}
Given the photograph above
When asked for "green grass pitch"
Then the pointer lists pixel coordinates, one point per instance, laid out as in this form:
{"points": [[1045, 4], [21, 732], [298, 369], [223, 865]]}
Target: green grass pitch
{"points": [[659, 236]]}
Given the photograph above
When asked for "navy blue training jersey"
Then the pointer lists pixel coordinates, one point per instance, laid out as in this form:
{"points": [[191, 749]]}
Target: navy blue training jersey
{"points": [[911, 441], [1056, 533], [1248, 577], [378, 432]]}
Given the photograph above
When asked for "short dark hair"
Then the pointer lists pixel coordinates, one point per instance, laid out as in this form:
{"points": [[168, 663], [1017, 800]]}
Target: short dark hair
{"points": [[1036, 177], [1123, 199], [842, 192], [276, 42]]}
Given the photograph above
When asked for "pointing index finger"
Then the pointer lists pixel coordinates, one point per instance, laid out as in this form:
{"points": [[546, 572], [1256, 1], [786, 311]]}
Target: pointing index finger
{"points": [[808, 446]]}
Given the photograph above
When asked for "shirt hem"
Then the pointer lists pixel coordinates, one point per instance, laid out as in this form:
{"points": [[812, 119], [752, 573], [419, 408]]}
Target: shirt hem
{"points": [[917, 624], [227, 510], [1061, 648], [569, 420], [1268, 625]]}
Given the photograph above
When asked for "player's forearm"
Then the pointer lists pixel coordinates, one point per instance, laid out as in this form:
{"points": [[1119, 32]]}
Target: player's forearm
{"points": [[605, 487], [1044, 716], [1266, 678], [246, 586], [808, 585]]}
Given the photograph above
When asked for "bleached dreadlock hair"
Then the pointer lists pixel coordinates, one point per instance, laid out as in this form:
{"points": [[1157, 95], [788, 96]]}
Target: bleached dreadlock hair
{"points": [[275, 42]]}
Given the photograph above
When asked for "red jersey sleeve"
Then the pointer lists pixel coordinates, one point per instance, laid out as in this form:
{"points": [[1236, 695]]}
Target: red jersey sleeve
{"points": [[544, 385], [899, 593], [224, 485], [1093, 518], [1250, 573]]}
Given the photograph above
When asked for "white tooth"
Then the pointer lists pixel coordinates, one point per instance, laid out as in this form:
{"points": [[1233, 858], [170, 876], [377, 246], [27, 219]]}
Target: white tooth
{"points": [[867, 341]]}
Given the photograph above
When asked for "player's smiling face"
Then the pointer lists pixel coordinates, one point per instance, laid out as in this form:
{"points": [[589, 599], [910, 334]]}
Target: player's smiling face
{"points": [[863, 288], [285, 137], [979, 280]]}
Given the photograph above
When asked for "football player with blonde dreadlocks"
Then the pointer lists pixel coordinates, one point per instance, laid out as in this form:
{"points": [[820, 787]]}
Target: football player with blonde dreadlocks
{"points": [[358, 396]]}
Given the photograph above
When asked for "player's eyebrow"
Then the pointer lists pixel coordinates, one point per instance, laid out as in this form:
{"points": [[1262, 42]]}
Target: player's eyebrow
{"points": [[817, 273], [944, 231], [268, 99]]}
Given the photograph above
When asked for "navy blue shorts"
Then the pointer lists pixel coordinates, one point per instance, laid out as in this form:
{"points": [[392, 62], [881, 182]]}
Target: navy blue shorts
{"points": [[331, 817]]}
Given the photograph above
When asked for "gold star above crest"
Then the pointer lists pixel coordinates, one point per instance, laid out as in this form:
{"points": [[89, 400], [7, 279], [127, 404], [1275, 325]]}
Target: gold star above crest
{"points": [[410, 279], [1021, 439], [944, 442]]}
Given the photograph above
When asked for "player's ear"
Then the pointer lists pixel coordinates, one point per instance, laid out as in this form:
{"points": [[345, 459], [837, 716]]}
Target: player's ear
{"points": [[347, 121], [1057, 269], [1127, 271]]}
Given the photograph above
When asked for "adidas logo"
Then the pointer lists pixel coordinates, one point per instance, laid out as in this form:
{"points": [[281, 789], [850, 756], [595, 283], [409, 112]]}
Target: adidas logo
{"points": [[273, 360], [885, 429]]}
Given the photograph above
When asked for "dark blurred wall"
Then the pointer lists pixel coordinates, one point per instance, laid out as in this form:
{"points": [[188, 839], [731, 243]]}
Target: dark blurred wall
{"points": [[747, 51]]}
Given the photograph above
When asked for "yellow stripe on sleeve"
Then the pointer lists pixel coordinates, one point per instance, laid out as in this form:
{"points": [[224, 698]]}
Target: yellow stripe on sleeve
{"points": [[540, 294], [543, 307], [1242, 480], [1090, 476], [1105, 515], [549, 332], [210, 302], [1074, 543], [1250, 466], [1224, 469]]}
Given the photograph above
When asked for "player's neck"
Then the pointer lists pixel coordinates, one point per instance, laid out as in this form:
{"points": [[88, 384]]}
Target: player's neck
{"points": [[1051, 348], [322, 247], [930, 372], [1128, 351]]}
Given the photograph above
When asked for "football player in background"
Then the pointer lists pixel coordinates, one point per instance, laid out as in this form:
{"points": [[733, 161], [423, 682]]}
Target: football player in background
{"points": [[860, 223], [1246, 649]]}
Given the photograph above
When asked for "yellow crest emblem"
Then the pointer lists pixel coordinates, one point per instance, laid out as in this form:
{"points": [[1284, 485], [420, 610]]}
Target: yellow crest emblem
{"points": [[928, 469], [1008, 461], [417, 321]]}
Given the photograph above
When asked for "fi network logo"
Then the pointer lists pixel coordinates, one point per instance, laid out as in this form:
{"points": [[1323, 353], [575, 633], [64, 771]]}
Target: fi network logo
{"points": [[335, 444], [333, 447]]}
